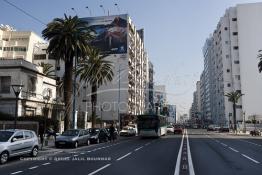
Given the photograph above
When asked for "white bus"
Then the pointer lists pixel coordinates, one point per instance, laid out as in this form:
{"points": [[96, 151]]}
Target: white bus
{"points": [[151, 125]]}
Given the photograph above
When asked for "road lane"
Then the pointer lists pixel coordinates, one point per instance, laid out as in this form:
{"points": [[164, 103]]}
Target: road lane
{"points": [[212, 156]]}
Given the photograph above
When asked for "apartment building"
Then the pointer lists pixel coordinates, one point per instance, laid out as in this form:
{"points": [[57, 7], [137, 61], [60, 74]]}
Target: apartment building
{"points": [[125, 96], [231, 63]]}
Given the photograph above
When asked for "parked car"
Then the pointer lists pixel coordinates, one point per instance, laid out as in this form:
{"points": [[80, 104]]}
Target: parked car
{"points": [[170, 129], [211, 128], [255, 133], [223, 129], [17, 142], [127, 131], [73, 138], [178, 129], [98, 135]]}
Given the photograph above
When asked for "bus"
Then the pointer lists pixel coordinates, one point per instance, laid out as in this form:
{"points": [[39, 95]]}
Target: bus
{"points": [[151, 125]]}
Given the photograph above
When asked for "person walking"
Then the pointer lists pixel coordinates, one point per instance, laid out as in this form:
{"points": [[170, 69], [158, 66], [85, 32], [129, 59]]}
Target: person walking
{"points": [[112, 132]]}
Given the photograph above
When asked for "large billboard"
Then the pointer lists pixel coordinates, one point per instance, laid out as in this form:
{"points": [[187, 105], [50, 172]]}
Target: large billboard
{"points": [[109, 32]]}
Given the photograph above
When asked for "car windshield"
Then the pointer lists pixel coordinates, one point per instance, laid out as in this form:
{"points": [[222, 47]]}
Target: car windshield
{"points": [[5, 135], [94, 131], [71, 133]]}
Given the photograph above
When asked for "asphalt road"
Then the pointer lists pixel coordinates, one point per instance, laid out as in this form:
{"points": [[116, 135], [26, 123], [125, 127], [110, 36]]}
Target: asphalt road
{"points": [[211, 154], [131, 156], [218, 153]]}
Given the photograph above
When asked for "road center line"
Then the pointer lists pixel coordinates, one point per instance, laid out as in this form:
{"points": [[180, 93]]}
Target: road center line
{"points": [[233, 149], [250, 158], [17, 172], [139, 148], [94, 172], [34, 167], [48, 163], [178, 160], [190, 162], [123, 156]]}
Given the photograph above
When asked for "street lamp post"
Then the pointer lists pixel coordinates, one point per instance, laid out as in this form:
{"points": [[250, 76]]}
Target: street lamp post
{"points": [[17, 88]]}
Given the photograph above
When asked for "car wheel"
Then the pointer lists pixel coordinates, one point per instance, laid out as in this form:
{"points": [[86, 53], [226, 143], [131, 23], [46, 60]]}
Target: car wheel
{"points": [[88, 142], [4, 157], [75, 144], [34, 151]]}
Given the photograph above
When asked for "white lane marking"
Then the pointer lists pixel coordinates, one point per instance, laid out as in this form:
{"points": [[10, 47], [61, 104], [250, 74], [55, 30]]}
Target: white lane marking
{"points": [[233, 149], [82, 153], [94, 172], [147, 143], [250, 142], [34, 167], [48, 163], [17, 172], [217, 141], [123, 156], [223, 144], [139, 148], [190, 162], [75, 155], [178, 160], [250, 158], [89, 151]]}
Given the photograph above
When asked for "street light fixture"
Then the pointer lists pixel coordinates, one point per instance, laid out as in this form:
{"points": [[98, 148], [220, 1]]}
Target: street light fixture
{"points": [[90, 13], [17, 88]]}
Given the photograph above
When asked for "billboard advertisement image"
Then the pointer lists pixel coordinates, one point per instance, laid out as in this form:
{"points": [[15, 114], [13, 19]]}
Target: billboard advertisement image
{"points": [[109, 32]]}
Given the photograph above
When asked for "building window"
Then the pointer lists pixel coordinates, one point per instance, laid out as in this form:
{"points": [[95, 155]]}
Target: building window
{"points": [[235, 47], [226, 42], [58, 68], [227, 56], [228, 85], [234, 19], [237, 77], [31, 85], [0, 48], [5, 83], [225, 28], [228, 70], [40, 57], [235, 33], [236, 61]]}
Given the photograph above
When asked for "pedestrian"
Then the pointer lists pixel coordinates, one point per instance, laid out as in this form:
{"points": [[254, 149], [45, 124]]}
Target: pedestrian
{"points": [[112, 132]]}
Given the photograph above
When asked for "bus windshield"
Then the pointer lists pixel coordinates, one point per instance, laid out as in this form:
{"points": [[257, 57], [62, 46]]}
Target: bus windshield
{"points": [[149, 123]]}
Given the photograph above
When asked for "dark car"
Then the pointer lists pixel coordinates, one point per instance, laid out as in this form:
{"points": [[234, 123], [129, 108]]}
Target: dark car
{"points": [[178, 129], [255, 133], [73, 138], [223, 129], [98, 135]]}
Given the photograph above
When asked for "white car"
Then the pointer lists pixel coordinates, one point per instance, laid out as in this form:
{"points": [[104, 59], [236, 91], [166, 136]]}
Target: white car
{"points": [[127, 131], [170, 129]]}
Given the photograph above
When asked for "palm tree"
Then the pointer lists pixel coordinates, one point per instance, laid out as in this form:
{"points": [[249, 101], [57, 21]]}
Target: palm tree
{"points": [[260, 61], [48, 69], [233, 97], [68, 38], [96, 71]]}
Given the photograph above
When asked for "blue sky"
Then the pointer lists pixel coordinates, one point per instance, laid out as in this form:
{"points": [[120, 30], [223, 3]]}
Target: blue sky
{"points": [[175, 31]]}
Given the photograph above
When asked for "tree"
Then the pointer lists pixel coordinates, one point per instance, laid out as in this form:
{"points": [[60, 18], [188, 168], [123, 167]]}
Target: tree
{"points": [[96, 71], [233, 97], [48, 69], [260, 61], [68, 39]]}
